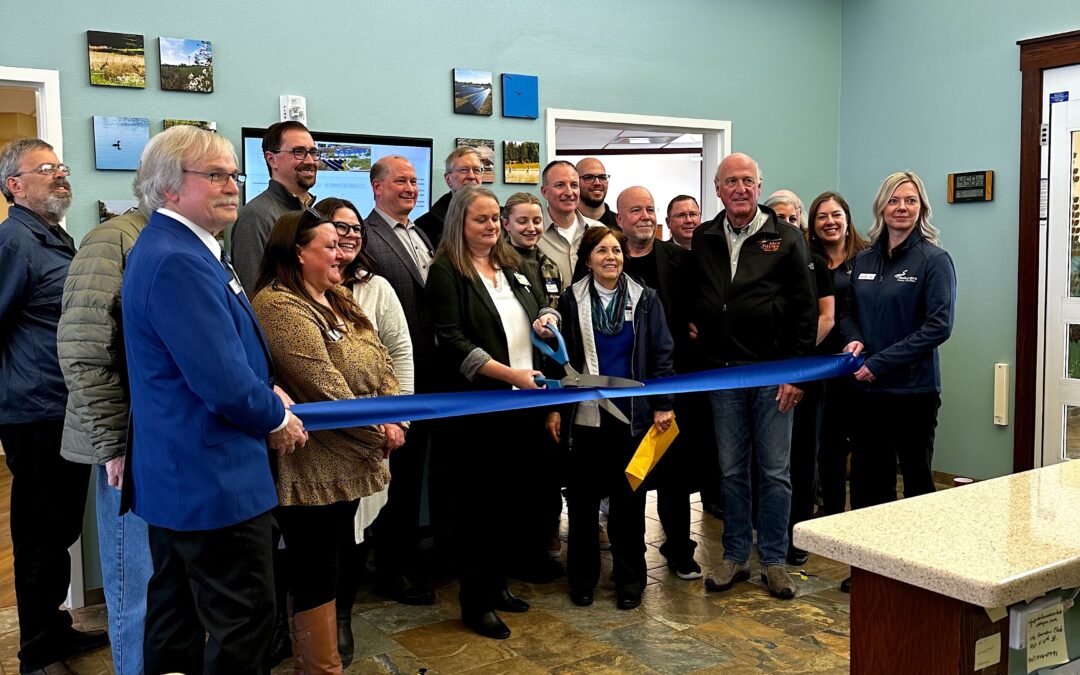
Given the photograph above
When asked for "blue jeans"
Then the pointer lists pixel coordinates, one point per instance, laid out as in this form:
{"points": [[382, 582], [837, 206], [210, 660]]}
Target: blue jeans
{"points": [[125, 569], [748, 420]]}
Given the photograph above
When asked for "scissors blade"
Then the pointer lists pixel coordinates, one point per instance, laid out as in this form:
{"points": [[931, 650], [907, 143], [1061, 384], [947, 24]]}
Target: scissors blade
{"points": [[575, 379], [614, 410]]}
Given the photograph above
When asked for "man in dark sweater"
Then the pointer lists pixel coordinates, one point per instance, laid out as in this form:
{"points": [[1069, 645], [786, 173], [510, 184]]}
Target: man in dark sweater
{"points": [[594, 186], [463, 167], [661, 266], [293, 161]]}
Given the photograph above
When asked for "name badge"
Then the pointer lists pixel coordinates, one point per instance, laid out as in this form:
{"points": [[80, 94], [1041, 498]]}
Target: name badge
{"points": [[333, 334], [866, 276], [628, 315], [236, 287], [521, 279], [551, 286]]}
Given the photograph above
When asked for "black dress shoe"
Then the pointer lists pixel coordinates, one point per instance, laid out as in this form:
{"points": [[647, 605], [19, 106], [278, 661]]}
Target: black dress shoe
{"points": [[627, 600], [845, 585], [508, 602], [487, 624], [407, 593], [797, 556], [56, 668], [74, 642], [581, 598]]}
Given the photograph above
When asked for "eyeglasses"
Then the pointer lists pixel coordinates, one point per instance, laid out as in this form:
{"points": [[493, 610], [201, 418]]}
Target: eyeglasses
{"points": [[300, 153], [687, 215], [46, 170], [595, 178], [344, 229], [467, 170], [746, 181], [220, 179]]}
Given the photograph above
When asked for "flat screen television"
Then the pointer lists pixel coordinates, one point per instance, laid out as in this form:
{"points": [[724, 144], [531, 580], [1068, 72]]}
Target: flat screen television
{"points": [[345, 167]]}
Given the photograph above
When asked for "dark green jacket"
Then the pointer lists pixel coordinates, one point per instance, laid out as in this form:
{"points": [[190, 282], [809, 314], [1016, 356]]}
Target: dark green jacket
{"points": [[90, 343]]}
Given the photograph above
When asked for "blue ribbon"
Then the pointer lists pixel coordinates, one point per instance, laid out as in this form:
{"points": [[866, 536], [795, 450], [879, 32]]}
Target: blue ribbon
{"points": [[360, 412]]}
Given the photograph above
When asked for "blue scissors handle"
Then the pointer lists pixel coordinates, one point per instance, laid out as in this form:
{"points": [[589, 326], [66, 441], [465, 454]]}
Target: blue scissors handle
{"points": [[560, 355]]}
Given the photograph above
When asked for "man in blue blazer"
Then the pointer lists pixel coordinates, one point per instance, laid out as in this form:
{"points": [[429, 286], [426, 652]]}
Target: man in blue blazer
{"points": [[203, 409]]}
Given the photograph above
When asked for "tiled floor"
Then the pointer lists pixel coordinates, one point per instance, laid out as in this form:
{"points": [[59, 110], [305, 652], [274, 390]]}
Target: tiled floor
{"points": [[679, 628]]}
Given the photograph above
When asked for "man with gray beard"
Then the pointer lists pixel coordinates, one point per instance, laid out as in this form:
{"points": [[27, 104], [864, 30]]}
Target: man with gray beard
{"points": [[47, 492]]}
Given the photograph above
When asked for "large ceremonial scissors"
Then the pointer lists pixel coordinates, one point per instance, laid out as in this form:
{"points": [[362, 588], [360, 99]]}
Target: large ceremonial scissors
{"points": [[575, 379]]}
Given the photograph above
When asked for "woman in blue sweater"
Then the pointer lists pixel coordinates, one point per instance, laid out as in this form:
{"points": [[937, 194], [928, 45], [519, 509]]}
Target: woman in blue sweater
{"points": [[613, 326], [899, 308]]}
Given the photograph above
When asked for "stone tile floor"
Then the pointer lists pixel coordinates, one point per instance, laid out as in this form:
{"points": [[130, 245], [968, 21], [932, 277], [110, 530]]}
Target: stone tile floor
{"points": [[679, 628]]}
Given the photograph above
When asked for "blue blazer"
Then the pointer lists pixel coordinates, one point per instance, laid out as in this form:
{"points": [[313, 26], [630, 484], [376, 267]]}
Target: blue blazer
{"points": [[201, 397]]}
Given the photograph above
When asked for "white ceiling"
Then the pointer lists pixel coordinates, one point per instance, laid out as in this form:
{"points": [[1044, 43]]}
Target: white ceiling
{"points": [[19, 100], [573, 137]]}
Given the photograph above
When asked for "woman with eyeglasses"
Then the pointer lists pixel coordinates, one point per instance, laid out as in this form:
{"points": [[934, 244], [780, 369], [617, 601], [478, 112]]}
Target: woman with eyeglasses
{"points": [[381, 306], [323, 348], [485, 302]]}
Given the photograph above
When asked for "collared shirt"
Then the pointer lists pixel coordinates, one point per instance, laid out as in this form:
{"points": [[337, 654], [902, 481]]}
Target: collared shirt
{"points": [[214, 247], [406, 233], [736, 238]]}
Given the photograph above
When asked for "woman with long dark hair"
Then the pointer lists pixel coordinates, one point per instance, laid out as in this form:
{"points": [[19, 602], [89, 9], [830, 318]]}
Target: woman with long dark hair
{"points": [[323, 348]]}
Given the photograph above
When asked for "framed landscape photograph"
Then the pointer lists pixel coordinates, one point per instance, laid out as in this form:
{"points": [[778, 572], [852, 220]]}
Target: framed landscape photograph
{"points": [[119, 142], [186, 65], [116, 59], [521, 162], [486, 148], [202, 124], [472, 92], [520, 96]]}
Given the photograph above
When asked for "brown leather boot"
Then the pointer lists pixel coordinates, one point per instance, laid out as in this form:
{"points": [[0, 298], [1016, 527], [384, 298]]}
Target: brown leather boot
{"points": [[314, 634]]}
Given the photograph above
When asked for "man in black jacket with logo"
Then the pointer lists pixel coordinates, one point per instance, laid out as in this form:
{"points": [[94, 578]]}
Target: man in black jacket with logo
{"points": [[755, 303]]}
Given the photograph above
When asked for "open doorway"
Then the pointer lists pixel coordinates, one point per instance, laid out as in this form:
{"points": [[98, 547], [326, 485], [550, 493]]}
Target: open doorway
{"points": [[667, 155]]}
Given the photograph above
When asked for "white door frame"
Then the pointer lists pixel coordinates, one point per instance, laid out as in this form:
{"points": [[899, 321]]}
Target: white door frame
{"points": [[715, 143], [46, 86]]}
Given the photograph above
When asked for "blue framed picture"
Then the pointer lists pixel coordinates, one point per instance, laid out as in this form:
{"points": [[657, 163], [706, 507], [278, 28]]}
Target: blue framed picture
{"points": [[119, 142], [520, 96]]}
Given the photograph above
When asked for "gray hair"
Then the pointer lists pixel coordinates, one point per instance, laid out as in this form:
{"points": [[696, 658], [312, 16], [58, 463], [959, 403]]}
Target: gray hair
{"points": [[926, 230], [458, 153], [382, 167], [10, 156], [161, 167]]}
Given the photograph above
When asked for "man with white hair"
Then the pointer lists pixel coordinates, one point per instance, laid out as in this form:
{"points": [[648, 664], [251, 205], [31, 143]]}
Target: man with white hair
{"points": [[203, 411], [755, 303], [48, 493]]}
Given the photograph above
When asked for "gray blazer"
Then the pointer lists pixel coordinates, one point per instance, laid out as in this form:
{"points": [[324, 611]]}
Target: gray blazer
{"points": [[396, 265]]}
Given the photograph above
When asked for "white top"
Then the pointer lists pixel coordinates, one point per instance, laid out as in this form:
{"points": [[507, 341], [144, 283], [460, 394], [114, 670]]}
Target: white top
{"points": [[381, 306], [568, 233], [515, 321], [990, 544]]}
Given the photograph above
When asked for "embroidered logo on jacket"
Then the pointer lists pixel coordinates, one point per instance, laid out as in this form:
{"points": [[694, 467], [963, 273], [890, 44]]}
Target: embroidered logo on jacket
{"points": [[770, 246], [904, 278]]}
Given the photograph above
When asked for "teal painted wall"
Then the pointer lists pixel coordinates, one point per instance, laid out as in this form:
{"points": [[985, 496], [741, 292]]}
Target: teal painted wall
{"points": [[384, 68], [934, 87]]}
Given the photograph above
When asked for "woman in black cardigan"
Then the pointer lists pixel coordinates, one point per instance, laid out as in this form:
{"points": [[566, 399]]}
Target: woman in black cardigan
{"points": [[482, 301]]}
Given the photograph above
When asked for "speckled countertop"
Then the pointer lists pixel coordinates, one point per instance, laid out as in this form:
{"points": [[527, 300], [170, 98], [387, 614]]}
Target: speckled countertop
{"points": [[991, 544]]}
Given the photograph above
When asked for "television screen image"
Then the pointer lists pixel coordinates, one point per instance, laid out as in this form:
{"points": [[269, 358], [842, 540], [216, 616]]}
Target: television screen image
{"points": [[345, 166]]}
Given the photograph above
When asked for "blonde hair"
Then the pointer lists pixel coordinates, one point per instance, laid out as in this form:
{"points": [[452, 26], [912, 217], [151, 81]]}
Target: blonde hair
{"points": [[926, 230]]}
